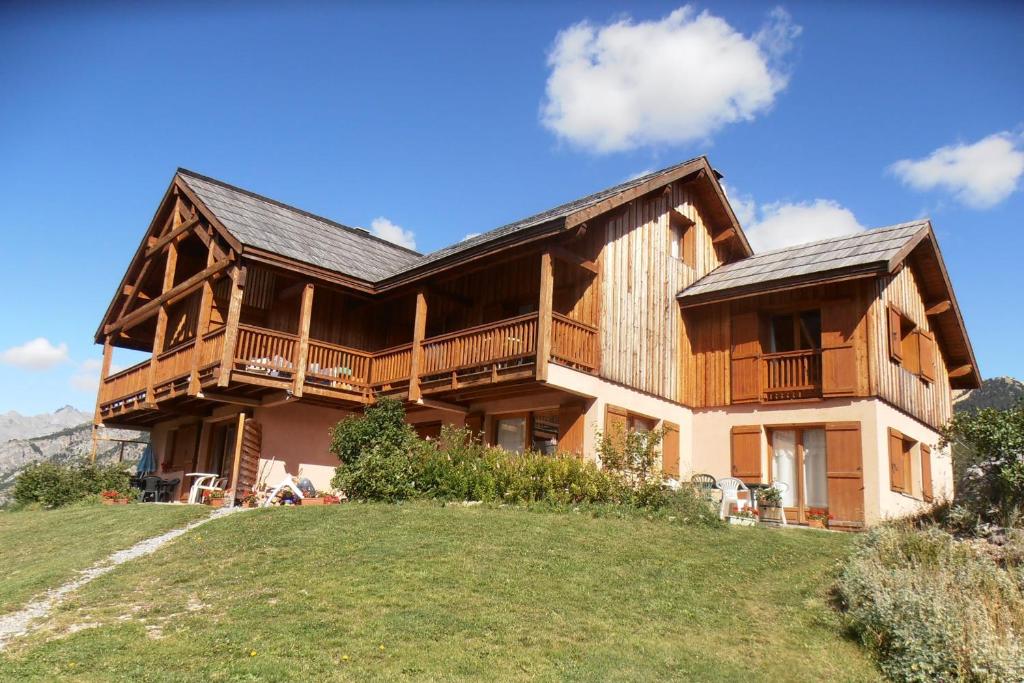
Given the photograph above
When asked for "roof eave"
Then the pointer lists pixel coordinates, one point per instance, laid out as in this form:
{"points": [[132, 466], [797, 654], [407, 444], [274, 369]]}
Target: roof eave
{"points": [[806, 280]]}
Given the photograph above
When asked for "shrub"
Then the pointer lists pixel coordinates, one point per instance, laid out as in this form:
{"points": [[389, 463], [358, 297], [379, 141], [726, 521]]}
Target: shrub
{"points": [[633, 454], [55, 485], [375, 451], [933, 608]]}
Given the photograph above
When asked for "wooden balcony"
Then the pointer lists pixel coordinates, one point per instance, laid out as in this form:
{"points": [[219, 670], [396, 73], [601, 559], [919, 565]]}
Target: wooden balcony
{"points": [[791, 375], [496, 352]]}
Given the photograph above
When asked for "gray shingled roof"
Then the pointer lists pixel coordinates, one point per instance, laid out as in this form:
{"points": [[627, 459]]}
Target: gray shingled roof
{"points": [[859, 250], [263, 223], [266, 224]]}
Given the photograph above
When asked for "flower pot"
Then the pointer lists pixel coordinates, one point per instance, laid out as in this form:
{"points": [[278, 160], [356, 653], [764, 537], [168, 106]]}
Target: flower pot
{"points": [[216, 502], [815, 524], [123, 501], [772, 515], [313, 501], [108, 501], [742, 521]]}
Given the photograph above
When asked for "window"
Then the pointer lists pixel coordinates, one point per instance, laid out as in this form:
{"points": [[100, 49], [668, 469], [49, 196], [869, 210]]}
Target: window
{"points": [[682, 239], [537, 431], [912, 347], [545, 432], [510, 433], [798, 331], [798, 459], [901, 450]]}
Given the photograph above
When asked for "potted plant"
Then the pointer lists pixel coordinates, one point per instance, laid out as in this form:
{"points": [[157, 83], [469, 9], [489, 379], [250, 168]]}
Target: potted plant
{"points": [[250, 500], [817, 518], [215, 499], [744, 517], [331, 499], [769, 501], [110, 497], [319, 499]]}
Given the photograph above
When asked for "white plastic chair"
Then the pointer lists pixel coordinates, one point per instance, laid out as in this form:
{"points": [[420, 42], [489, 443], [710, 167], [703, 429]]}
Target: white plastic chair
{"points": [[730, 488], [781, 487], [205, 482]]}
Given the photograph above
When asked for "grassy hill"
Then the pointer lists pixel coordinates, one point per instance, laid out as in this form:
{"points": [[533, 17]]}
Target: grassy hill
{"points": [[385, 592]]}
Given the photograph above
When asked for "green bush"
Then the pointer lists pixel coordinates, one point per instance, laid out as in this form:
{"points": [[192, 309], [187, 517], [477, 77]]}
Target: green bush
{"points": [[933, 608], [55, 485], [376, 452]]}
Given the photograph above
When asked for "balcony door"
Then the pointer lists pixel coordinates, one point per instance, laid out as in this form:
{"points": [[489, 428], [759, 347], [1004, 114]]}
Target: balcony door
{"points": [[799, 460]]}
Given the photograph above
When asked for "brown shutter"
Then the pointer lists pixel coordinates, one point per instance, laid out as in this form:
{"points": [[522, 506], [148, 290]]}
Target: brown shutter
{"points": [[845, 468], [926, 349], [746, 350], [895, 334], [249, 463], [746, 453], [838, 358], [570, 429], [616, 422], [670, 450], [689, 246], [897, 471], [926, 473], [475, 423]]}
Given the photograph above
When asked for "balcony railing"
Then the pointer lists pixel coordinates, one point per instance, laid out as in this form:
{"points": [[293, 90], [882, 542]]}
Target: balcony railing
{"points": [[268, 357], [791, 375], [574, 343]]}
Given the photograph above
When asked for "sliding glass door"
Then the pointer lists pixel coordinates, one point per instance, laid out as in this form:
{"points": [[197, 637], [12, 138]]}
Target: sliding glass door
{"points": [[799, 460]]}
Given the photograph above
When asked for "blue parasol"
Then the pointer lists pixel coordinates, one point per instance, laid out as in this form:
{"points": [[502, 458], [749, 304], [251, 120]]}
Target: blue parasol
{"points": [[146, 463]]}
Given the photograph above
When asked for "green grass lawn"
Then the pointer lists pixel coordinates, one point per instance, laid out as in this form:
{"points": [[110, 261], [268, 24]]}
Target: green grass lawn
{"points": [[384, 592], [42, 549]]}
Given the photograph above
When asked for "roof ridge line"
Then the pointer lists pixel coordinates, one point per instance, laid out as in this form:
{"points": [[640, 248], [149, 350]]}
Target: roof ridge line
{"points": [[309, 214]]}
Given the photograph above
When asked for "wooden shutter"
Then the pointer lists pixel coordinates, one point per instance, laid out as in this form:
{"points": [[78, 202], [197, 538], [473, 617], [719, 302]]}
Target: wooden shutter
{"points": [[895, 334], [746, 453], [746, 351], [475, 423], [838, 357], [897, 470], [616, 422], [249, 462], [570, 429], [670, 450], [926, 351], [845, 468], [927, 491], [688, 248]]}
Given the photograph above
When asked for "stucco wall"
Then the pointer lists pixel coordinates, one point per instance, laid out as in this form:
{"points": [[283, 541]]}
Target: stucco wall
{"points": [[603, 392], [296, 440]]}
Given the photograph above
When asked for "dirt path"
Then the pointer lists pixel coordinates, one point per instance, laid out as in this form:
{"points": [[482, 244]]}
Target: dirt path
{"points": [[20, 623]]}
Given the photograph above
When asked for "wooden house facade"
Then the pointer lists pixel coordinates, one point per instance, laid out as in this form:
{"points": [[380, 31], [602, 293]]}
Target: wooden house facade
{"points": [[641, 305]]}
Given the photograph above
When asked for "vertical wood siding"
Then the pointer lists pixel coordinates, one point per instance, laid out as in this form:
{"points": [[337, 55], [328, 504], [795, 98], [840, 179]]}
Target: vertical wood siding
{"points": [[641, 318], [929, 402]]}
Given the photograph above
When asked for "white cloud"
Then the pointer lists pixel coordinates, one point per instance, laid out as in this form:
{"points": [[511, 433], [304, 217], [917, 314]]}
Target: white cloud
{"points": [[783, 224], [743, 205], [470, 236], [979, 175], [385, 229], [38, 354], [87, 375], [638, 174], [628, 84]]}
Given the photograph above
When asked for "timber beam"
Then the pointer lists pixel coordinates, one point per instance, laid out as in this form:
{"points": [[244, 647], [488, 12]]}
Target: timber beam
{"points": [[162, 242], [575, 259], [169, 297], [441, 405], [938, 307], [961, 371], [724, 236]]}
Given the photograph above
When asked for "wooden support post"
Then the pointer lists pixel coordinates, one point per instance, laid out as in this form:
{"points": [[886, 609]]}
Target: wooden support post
{"points": [[544, 308], [161, 321], [239, 436], [227, 359], [108, 351], [302, 352], [205, 310], [418, 332], [95, 442]]}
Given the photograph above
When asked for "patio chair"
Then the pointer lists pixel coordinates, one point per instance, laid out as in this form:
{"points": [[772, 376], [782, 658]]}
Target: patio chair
{"points": [[704, 484], [210, 483], [150, 487], [731, 488], [167, 487]]}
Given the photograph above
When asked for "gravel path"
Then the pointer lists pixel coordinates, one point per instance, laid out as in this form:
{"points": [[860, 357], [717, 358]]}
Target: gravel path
{"points": [[19, 623]]}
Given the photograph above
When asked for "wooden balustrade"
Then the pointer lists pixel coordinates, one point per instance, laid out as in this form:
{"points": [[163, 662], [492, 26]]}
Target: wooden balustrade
{"points": [[212, 348], [481, 345], [265, 352], [791, 374], [391, 365], [174, 363], [127, 384], [574, 343], [333, 364]]}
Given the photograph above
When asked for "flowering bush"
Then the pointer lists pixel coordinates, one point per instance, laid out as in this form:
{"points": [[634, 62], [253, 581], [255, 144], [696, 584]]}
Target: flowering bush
{"points": [[55, 485], [110, 495], [818, 515]]}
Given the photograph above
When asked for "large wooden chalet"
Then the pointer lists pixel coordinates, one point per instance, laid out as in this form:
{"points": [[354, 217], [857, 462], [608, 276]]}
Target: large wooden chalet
{"points": [[828, 365]]}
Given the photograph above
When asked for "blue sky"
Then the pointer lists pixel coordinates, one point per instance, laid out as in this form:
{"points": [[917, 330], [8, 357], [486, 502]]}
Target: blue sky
{"points": [[454, 118]]}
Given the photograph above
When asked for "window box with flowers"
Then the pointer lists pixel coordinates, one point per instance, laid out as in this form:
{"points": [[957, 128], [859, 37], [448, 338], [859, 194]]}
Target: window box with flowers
{"points": [[818, 518], [744, 517]]}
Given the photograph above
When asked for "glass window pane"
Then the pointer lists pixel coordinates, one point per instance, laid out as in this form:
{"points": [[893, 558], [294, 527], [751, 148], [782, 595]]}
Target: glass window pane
{"points": [[810, 330], [545, 432], [815, 469], [784, 463], [782, 334], [512, 433]]}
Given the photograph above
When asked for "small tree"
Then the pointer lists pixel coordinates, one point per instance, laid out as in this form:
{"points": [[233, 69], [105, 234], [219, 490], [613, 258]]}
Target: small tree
{"points": [[988, 460], [632, 453], [374, 450]]}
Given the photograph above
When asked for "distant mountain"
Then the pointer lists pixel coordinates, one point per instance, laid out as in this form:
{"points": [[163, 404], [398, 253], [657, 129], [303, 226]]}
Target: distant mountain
{"points": [[999, 392], [14, 425], [65, 443]]}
